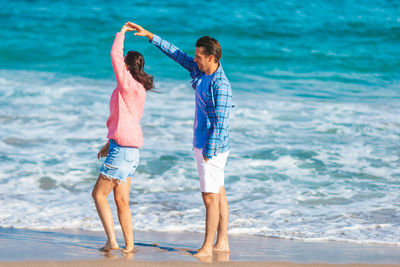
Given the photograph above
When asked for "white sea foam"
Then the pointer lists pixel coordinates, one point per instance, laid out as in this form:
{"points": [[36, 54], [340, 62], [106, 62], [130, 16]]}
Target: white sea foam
{"points": [[298, 168]]}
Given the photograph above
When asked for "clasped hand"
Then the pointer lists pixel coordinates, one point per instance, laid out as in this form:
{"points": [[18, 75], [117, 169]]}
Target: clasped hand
{"points": [[126, 28], [140, 31]]}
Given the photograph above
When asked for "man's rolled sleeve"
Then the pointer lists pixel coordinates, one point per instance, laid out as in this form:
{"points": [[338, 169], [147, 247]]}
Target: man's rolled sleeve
{"points": [[156, 40]]}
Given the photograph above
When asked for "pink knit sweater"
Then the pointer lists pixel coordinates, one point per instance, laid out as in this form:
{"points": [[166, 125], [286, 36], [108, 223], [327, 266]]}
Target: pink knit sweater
{"points": [[127, 101]]}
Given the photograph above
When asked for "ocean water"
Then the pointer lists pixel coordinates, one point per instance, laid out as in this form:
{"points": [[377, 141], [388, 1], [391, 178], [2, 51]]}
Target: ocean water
{"points": [[315, 129]]}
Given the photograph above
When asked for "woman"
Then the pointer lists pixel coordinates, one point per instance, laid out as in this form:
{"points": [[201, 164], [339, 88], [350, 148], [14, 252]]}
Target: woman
{"points": [[125, 139]]}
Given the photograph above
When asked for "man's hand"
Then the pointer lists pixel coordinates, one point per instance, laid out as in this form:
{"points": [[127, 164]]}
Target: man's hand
{"points": [[205, 159], [140, 30], [103, 151]]}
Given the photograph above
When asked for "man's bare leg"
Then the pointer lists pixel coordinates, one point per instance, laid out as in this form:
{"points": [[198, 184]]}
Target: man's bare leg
{"points": [[211, 201], [222, 244]]}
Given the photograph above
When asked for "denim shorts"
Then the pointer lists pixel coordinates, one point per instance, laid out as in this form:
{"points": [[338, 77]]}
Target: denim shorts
{"points": [[121, 161]]}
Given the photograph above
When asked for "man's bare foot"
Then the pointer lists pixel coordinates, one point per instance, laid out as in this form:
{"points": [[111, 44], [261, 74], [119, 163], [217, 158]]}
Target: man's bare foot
{"points": [[110, 245], [204, 256], [221, 247], [204, 253], [220, 256]]}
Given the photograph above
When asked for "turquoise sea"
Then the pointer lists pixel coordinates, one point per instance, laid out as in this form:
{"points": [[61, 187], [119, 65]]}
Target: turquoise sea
{"points": [[315, 129]]}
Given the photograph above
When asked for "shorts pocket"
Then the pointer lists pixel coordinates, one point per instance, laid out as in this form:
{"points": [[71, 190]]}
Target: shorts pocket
{"points": [[131, 155]]}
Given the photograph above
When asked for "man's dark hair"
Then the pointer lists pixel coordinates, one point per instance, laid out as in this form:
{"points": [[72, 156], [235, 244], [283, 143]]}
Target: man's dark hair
{"points": [[210, 47]]}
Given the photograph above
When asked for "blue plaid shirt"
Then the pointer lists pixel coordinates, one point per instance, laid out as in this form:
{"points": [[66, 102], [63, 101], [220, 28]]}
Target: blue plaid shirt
{"points": [[218, 98]]}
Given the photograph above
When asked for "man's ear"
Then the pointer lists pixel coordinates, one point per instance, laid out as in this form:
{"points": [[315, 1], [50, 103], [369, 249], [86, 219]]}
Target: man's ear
{"points": [[211, 58]]}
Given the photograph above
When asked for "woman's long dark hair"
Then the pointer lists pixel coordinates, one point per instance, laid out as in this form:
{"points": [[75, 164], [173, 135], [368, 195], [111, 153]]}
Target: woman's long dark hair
{"points": [[135, 62]]}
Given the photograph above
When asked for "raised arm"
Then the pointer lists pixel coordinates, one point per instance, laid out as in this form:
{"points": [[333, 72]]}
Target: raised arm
{"points": [[167, 48], [122, 75]]}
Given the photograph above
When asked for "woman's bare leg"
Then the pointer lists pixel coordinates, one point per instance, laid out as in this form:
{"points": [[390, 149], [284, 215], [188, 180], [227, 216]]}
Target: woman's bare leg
{"points": [[100, 193], [121, 197]]}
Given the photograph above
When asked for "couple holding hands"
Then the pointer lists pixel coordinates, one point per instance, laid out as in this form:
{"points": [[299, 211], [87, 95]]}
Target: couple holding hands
{"points": [[213, 97]]}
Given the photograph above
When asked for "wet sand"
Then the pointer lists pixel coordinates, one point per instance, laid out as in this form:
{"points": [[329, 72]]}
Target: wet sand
{"points": [[21, 247], [125, 263]]}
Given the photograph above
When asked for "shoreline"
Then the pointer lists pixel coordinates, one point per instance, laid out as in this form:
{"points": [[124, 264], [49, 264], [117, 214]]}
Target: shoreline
{"points": [[18, 247], [128, 263]]}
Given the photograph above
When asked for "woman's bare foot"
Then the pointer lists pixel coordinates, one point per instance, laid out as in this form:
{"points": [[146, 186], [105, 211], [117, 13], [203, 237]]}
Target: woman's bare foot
{"points": [[110, 245], [129, 249]]}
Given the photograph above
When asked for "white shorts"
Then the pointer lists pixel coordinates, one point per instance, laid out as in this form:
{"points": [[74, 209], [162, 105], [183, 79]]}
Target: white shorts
{"points": [[211, 174]]}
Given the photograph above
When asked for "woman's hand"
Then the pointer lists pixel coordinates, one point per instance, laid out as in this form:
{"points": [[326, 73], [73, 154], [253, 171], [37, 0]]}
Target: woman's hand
{"points": [[140, 30], [103, 151], [126, 28]]}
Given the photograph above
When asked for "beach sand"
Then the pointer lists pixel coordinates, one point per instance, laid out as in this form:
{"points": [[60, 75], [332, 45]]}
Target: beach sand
{"points": [[123, 263], [21, 247]]}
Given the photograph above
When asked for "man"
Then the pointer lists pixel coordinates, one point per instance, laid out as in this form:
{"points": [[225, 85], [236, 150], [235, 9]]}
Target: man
{"points": [[211, 130]]}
